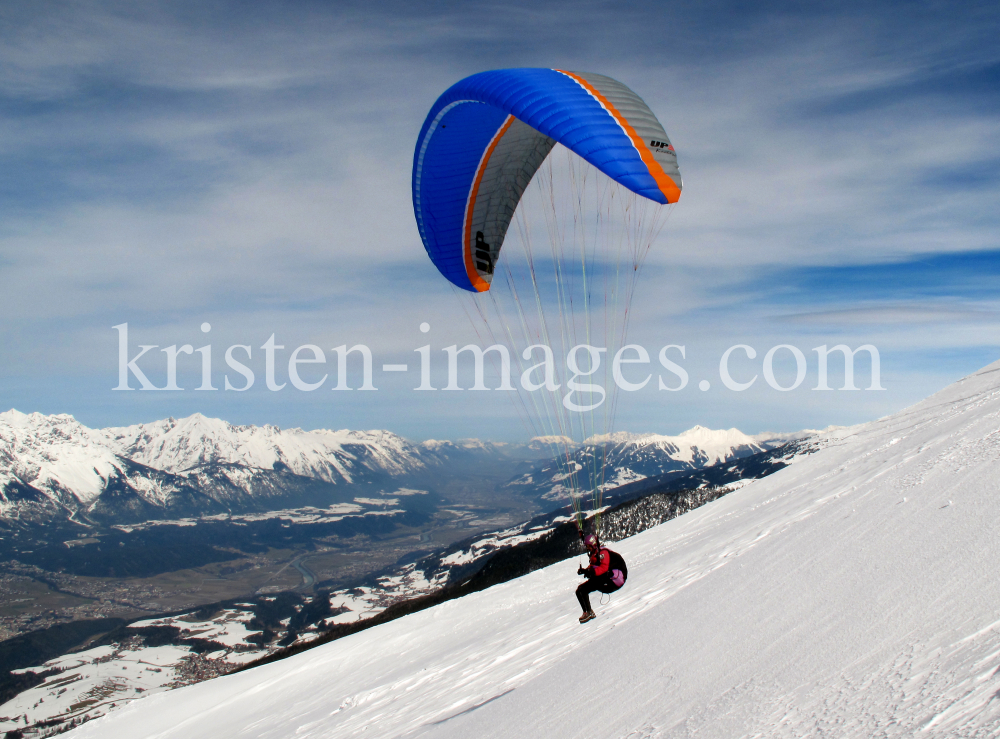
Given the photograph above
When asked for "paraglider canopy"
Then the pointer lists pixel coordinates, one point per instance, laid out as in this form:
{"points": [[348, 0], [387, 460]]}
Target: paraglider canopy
{"points": [[597, 174], [486, 136]]}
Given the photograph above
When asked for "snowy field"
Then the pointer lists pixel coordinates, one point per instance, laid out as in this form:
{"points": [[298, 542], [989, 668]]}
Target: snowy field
{"points": [[853, 594], [97, 680]]}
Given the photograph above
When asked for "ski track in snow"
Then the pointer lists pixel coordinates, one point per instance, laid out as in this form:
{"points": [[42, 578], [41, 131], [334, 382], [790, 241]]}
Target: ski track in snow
{"points": [[852, 594]]}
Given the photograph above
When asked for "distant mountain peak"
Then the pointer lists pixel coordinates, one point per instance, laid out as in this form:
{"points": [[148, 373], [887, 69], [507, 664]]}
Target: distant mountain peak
{"points": [[627, 457]]}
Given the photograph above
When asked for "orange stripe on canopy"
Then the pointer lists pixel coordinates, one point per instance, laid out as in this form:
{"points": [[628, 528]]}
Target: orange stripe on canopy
{"points": [[478, 282], [666, 184]]}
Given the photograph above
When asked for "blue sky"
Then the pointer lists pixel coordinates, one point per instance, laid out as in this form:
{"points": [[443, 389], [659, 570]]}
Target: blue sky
{"points": [[248, 165]]}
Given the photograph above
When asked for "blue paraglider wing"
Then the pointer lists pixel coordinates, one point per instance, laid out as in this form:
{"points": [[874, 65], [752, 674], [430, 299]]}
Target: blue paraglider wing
{"points": [[487, 135]]}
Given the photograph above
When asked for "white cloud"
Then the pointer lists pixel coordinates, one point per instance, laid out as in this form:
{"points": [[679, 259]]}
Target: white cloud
{"points": [[182, 164]]}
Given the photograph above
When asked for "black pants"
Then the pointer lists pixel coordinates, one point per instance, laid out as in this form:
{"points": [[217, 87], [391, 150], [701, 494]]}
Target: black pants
{"points": [[600, 584]]}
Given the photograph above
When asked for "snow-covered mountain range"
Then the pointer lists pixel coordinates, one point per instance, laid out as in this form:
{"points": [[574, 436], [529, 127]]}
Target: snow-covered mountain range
{"points": [[610, 460], [52, 466], [852, 593], [55, 467], [334, 456]]}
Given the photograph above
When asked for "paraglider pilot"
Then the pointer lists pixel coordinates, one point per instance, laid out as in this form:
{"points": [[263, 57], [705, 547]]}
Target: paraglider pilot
{"points": [[606, 574]]}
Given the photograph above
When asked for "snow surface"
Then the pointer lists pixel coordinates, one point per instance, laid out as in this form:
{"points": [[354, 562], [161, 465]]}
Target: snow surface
{"points": [[852, 594], [94, 681], [488, 544], [365, 602], [91, 682], [228, 628]]}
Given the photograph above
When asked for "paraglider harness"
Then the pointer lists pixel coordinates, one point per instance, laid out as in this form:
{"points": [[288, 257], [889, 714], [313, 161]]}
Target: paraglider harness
{"points": [[617, 568], [615, 575]]}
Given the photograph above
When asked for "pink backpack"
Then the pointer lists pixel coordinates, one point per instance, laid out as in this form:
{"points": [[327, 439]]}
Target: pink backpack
{"points": [[619, 570]]}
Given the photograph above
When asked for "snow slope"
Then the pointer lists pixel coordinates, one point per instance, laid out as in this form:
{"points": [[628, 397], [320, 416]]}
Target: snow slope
{"points": [[852, 594]]}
